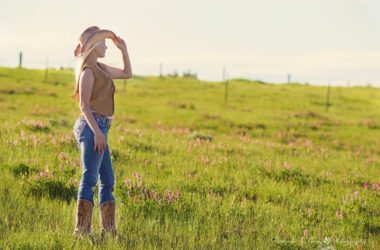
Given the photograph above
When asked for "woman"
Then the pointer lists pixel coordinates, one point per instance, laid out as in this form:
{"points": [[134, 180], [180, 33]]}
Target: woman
{"points": [[95, 93]]}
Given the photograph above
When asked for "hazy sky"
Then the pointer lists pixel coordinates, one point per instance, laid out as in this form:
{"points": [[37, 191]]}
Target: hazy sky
{"points": [[317, 41]]}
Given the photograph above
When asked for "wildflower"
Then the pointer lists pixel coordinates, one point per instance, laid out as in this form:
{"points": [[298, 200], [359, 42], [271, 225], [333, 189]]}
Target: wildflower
{"points": [[339, 214], [309, 211], [168, 196], [287, 165], [128, 183], [139, 179], [178, 194], [376, 186], [43, 173], [233, 201], [308, 143], [356, 194], [305, 233], [61, 155]]}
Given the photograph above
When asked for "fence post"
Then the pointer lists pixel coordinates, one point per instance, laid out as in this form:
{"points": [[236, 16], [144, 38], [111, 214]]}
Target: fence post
{"points": [[328, 97], [46, 69], [226, 91], [20, 60]]}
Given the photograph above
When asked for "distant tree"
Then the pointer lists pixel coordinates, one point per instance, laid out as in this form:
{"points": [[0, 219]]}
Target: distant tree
{"points": [[174, 74], [188, 74]]}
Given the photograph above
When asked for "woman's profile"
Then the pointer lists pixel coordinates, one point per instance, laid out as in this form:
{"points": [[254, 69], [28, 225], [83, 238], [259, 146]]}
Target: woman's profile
{"points": [[95, 94]]}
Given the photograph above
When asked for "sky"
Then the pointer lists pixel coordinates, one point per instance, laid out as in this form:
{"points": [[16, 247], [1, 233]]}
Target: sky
{"points": [[315, 41]]}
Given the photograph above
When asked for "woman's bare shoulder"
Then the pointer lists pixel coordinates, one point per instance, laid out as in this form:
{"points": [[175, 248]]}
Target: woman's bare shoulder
{"points": [[87, 75]]}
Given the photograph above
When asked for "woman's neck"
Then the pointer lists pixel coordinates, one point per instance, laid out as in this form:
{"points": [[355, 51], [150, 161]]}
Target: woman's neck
{"points": [[92, 58]]}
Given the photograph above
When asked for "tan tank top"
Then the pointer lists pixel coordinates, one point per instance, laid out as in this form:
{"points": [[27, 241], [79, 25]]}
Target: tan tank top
{"points": [[103, 90]]}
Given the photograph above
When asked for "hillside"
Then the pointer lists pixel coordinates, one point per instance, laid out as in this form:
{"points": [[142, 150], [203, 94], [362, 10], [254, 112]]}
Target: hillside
{"points": [[270, 168]]}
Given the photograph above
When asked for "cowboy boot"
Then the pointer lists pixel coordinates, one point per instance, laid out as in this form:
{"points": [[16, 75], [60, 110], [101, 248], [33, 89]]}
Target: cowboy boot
{"points": [[83, 218], [107, 212]]}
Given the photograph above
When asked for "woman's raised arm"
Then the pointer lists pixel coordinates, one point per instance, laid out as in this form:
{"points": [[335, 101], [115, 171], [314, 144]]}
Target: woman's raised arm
{"points": [[126, 72]]}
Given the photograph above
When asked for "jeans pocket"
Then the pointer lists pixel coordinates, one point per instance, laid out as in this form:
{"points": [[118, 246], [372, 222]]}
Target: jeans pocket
{"points": [[78, 130], [102, 124]]}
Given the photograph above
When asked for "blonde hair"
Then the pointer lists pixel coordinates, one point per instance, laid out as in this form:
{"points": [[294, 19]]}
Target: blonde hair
{"points": [[81, 58]]}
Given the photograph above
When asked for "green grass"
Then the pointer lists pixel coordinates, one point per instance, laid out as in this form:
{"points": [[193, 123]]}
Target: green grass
{"points": [[270, 169]]}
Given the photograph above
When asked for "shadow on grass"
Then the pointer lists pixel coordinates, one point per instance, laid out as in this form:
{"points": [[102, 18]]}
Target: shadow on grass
{"points": [[54, 189]]}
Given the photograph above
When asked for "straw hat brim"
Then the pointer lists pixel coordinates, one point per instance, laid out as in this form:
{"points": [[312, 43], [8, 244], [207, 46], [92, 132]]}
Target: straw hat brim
{"points": [[97, 37]]}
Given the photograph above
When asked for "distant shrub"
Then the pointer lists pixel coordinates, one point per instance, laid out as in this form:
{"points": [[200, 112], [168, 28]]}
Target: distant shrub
{"points": [[201, 137], [8, 91], [174, 74], [51, 93], [36, 125], [181, 105], [141, 146], [188, 74], [61, 122], [117, 156], [369, 123], [248, 80], [294, 175]]}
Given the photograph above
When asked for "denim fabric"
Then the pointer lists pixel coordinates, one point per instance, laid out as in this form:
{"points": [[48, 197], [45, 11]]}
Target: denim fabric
{"points": [[94, 164]]}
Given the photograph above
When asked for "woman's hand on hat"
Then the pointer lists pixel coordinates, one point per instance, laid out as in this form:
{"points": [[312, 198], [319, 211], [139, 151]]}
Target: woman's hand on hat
{"points": [[120, 43]]}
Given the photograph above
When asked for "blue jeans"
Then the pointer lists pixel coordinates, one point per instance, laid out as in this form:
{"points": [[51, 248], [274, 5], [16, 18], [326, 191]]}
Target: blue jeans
{"points": [[94, 164]]}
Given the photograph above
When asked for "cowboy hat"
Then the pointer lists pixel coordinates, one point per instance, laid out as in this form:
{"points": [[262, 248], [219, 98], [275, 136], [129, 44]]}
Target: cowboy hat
{"points": [[94, 38]]}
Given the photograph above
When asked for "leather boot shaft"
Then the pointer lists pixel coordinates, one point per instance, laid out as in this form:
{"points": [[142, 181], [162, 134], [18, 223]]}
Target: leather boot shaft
{"points": [[107, 212], [83, 217]]}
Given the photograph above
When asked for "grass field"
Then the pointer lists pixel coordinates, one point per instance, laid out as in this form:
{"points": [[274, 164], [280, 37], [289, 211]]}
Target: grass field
{"points": [[269, 169]]}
